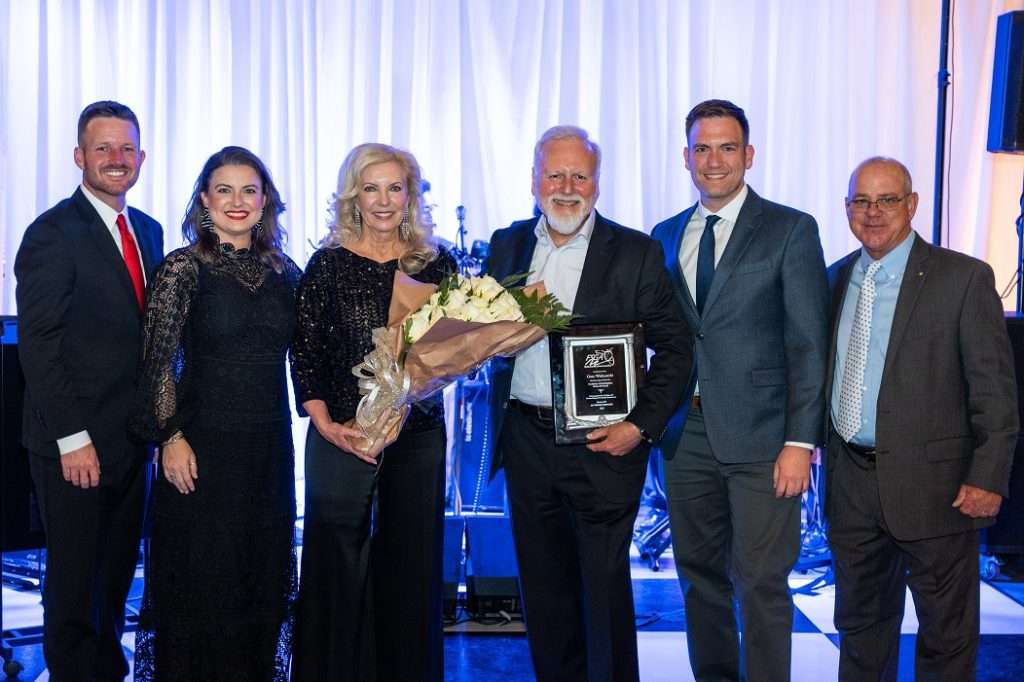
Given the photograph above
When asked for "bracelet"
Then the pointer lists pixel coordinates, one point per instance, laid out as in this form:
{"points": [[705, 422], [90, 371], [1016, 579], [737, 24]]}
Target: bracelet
{"points": [[178, 435]]}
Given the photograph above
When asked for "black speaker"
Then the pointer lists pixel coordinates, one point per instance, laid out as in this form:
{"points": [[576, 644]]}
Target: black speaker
{"points": [[492, 576], [21, 524], [453, 564], [1006, 113], [1007, 535]]}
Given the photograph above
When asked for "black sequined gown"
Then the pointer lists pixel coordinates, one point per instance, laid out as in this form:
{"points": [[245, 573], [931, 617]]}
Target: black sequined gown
{"points": [[221, 577], [370, 600]]}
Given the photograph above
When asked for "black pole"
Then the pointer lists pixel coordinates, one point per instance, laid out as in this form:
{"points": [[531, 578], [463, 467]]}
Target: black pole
{"points": [[1020, 253], [940, 126]]}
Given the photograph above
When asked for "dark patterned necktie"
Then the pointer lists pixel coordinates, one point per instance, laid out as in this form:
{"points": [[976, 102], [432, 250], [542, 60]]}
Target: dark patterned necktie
{"points": [[706, 261]]}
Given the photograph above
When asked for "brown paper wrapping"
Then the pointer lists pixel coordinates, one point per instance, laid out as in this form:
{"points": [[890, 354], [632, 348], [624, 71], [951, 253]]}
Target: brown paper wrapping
{"points": [[449, 350]]}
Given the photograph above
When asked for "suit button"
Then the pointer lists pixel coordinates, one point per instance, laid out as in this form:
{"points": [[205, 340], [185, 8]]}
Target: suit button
{"points": [[700, 335]]}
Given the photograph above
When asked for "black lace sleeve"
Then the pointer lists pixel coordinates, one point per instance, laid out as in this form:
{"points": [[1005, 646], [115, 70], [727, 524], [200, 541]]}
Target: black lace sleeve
{"points": [[165, 365], [292, 273], [313, 320]]}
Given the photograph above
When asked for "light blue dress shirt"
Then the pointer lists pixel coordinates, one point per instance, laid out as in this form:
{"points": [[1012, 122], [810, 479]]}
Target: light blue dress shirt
{"points": [[887, 289], [560, 268]]}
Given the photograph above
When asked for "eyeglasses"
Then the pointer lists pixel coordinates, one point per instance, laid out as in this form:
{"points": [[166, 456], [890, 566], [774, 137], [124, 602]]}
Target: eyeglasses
{"points": [[882, 203]]}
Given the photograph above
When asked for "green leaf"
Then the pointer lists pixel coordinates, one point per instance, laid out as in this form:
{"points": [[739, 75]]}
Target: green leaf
{"points": [[546, 311]]}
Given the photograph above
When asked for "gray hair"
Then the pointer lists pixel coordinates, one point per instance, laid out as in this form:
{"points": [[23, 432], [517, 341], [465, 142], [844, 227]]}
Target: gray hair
{"points": [[566, 132], [908, 184]]}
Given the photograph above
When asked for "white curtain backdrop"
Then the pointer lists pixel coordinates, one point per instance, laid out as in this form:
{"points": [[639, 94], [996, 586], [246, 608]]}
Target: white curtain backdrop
{"points": [[468, 85]]}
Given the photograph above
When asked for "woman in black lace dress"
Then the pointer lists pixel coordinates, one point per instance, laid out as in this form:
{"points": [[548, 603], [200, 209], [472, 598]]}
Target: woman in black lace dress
{"points": [[221, 581], [368, 608]]}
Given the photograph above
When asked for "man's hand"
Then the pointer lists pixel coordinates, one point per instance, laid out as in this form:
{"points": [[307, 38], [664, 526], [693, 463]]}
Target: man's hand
{"points": [[617, 440], [792, 471], [977, 503], [81, 467]]}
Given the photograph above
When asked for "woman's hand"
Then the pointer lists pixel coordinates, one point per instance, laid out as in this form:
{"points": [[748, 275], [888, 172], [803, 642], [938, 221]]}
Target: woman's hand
{"points": [[344, 436], [179, 465]]}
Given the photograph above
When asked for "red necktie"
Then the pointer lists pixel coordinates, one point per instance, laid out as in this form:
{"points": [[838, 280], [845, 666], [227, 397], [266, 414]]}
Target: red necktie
{"points": [[131, 258]]}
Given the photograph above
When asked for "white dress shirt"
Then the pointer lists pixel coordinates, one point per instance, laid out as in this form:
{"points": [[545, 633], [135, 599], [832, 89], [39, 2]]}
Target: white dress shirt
{"points": [[560, 268]]}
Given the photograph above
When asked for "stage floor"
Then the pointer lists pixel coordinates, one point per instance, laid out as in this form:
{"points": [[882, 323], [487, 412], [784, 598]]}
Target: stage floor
{"points": [[502, 656]]}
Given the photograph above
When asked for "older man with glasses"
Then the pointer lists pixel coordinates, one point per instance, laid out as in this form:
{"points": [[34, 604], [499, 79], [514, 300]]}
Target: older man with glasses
{"points": [[923, 413]]}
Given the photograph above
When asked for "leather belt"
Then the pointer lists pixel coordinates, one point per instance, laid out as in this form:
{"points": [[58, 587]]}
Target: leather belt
{"points": [[868, 453], [542, 414]]}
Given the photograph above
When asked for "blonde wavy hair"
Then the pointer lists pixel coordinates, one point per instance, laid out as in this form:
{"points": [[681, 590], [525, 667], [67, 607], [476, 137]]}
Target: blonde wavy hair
{"points": [[420, 245]]}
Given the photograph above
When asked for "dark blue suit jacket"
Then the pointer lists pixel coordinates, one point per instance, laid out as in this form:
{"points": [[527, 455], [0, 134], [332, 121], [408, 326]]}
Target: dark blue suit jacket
{"points": [[761, 345], [79, 327], [623, 280]]}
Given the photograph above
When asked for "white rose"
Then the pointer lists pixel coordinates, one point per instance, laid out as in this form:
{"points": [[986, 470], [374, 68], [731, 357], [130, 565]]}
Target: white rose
{"points": [[456, 299], [505, 307], [487, 286], [477, 310], [465, 285], [418, 324]]}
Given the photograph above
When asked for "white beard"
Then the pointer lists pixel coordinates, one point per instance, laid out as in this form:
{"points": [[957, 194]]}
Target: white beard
{"points": [[566, 224]]}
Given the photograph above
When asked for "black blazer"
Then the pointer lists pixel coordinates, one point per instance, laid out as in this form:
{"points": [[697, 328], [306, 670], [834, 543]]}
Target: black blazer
{"points": [[80, 327], [623, 280], [947, 404]]}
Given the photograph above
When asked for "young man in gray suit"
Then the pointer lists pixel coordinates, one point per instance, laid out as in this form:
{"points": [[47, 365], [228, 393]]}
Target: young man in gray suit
{"points": [[923, 409], [750, 275]]}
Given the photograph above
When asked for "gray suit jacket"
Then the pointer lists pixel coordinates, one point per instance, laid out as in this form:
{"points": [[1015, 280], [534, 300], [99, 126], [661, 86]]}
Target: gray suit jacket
{"points": [[761, 344], [947, 404]]}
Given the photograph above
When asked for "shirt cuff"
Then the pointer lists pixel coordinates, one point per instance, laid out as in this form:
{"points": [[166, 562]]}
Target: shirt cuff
{"points": [[73, 442], [794, 443]]}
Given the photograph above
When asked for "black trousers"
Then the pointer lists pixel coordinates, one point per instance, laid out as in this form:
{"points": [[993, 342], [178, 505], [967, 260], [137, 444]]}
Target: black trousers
{"points": [[92, 547], [572, 546], [369, 605], [873, 570], [733, 541]]}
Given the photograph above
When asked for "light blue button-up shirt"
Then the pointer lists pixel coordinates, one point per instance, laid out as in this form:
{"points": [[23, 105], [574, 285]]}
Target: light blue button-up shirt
{"points": [[560, 268], [887, 289]]}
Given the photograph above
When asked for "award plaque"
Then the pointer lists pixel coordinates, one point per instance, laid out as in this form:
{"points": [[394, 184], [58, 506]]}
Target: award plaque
{"points": [[596, 370]]}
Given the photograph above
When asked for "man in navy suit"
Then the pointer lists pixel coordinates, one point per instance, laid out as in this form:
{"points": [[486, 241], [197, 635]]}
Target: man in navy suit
{"points": [[750, 276], [573, 506], [81, 270], [924, 421]]}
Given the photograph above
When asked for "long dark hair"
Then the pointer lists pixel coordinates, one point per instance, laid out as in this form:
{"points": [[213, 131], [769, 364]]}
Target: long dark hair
{"points": [[267, 242]]}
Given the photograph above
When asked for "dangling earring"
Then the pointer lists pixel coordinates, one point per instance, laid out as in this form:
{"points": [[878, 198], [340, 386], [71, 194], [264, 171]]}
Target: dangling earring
{"points": [[404, 231], [205, 221], [357, 219], [257, 228]]}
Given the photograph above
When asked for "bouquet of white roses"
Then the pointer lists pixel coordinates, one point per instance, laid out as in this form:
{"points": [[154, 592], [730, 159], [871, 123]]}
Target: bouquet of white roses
{"points": [[436, 335]]}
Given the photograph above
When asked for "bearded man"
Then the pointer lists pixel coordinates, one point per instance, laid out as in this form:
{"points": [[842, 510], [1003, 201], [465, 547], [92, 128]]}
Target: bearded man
{"points": [[573, 506]]}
